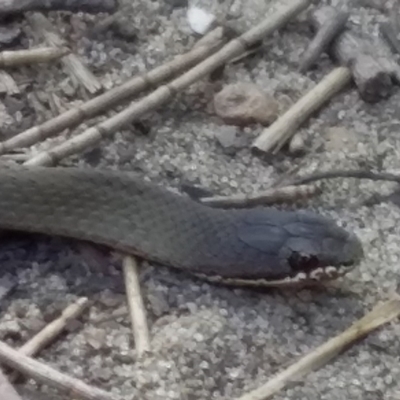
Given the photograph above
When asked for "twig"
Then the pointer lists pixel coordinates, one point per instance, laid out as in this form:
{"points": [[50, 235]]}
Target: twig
{"points": [[31, 56], [164, 93], [13, 7], [359, 174], [7, 391], [48, 334], [323, 39], [380, 315], [270, 196], [137, 310], [72, 63], [50, 376], [206, 46], [275, 136]]}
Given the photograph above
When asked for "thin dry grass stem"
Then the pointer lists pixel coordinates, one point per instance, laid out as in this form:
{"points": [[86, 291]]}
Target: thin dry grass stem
{"points": [[7, 391], [268, 197], [203, 48], [380, 315], [273, 138], [164, 93], [137, 310], [52, 330], [72, 63], [43, 373], [31, 56]]}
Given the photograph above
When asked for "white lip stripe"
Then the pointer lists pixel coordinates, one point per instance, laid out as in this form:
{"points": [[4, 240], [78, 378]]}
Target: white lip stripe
{"points": [[317, 275]]}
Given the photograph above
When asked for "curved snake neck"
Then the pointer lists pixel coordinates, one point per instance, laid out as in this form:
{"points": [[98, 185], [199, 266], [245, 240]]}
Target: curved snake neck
{"points": [[118, 210]]}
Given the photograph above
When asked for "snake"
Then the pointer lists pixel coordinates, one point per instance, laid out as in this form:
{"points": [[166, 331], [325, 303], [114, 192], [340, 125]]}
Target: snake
{"points": [[262, 246]]}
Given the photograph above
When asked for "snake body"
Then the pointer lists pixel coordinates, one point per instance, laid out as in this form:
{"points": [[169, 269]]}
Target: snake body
{"points": [[116, 209]]}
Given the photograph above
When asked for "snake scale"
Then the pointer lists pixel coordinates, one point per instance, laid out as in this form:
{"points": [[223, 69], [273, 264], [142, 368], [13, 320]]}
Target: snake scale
{"points": [[114, 208]]}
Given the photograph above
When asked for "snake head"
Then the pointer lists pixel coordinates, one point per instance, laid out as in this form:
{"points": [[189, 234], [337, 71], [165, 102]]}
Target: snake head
{"points": [[300, 246], [318, 249]]}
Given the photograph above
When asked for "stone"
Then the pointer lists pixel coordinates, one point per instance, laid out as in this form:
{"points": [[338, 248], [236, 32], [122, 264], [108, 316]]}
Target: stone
{"points": [[245, 104]]}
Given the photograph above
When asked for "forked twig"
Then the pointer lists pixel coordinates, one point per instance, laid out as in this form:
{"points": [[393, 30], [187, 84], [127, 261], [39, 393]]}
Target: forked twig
{"points": [[116, 95], [48, 334], [380, 315], [50, 376], [165, 92]]}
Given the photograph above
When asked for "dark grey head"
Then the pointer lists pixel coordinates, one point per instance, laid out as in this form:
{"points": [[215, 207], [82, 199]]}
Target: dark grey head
{"points": [[298, 247], [321, 249]]}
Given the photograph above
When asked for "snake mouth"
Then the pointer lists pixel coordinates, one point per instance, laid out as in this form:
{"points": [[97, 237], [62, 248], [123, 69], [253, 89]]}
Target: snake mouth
{"points": [[315, 276]]}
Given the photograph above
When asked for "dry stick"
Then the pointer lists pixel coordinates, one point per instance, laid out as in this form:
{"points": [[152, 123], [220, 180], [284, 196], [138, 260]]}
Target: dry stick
{"points": [[164, 93], [373, 69], [49, 333], [276, 135], [380, 315], [7, 391], [268, 197], [137, 310], [12, 7], [359, 174], [116, 95], [72, 63], [323, 39], [31, 56], [49, 376]]}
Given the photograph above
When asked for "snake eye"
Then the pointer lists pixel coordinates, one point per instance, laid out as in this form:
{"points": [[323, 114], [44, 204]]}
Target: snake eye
{"points": [[302, 263]]}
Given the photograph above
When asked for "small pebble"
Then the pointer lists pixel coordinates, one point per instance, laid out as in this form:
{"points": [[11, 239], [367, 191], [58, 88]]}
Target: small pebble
{"points": [[244, 104]]}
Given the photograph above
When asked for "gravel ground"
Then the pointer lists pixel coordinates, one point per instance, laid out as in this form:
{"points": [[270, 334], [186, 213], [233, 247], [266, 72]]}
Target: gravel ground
{"points": [[208, 341]]}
